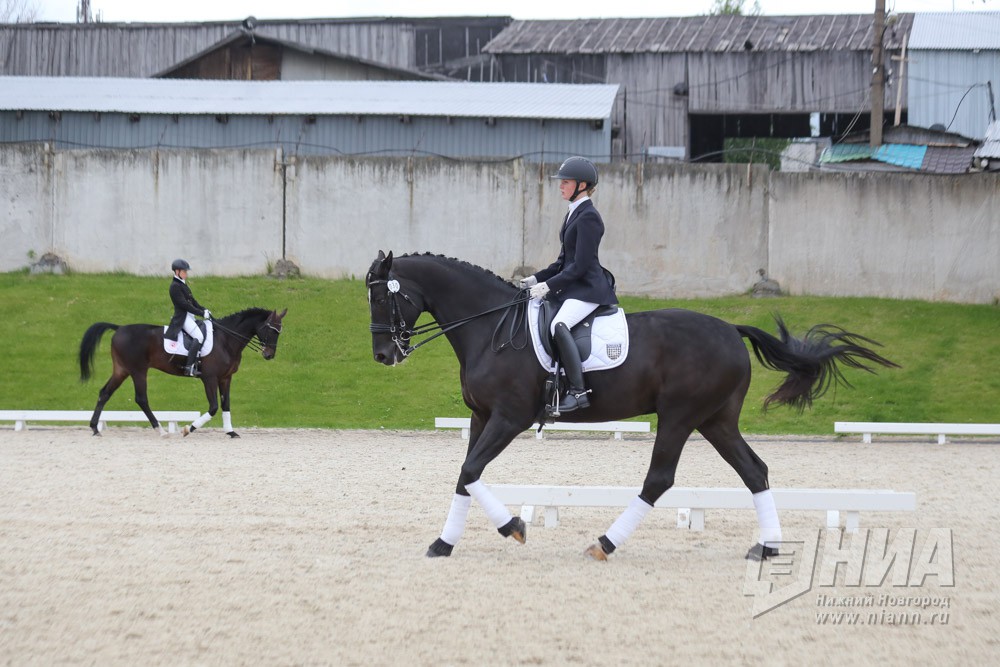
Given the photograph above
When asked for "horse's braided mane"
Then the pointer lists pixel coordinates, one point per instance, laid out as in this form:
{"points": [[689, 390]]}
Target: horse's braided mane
{"points": [[459, 261], [244, 314]]}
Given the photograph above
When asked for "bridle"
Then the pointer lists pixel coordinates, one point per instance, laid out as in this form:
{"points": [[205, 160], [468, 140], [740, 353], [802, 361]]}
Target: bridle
{"points": [[255, 342], [402, 333]]}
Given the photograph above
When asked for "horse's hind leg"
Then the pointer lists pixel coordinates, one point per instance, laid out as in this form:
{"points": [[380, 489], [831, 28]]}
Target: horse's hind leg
{"points": [[118, 376], [660, 477], [722, 430], [142, 400]]}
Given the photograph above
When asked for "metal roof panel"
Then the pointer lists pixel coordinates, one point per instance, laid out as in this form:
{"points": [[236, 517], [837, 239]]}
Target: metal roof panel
{"points": [[832, 32], [948, 159], [955, 31], [845, 153], [414, 98], [901, 155], [991, 144]]}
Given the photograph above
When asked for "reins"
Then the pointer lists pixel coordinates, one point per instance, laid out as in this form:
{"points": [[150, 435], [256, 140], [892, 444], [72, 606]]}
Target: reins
{"points": [[402, 334], [253, 342]]}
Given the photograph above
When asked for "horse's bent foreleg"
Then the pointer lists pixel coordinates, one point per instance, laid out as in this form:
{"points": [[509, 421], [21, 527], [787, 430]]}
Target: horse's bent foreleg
{"points": [[212, 392], [117, 377], [458, 513], [660, 477], [142, 400], [486, 441], [725, 436]]}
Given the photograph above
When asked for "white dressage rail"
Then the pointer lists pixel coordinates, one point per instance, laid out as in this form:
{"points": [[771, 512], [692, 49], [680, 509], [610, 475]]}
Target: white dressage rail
{"points": [[22, 417], [613, 427], [866, 429], [691, 503]]}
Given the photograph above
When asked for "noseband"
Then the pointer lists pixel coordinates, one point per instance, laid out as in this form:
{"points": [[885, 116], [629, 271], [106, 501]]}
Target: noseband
{"points": [[397, 327]]}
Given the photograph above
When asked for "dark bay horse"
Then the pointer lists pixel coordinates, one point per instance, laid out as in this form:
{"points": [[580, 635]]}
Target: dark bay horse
{"points": [[691, 369], [135, 348]]}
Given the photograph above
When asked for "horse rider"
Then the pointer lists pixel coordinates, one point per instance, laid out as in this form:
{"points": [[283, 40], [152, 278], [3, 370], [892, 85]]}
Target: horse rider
{"points": [[185, 308], [576, 279]]}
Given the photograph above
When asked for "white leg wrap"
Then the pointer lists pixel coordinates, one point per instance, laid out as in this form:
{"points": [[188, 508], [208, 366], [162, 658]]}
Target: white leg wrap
{"points": [[495, 510], [767, 517], [201, 421], [454, 526], [227, 421], [625, 525]]}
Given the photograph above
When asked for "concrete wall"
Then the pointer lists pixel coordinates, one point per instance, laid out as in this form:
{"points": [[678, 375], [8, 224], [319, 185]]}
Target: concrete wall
{"points": [[672, 230], [135, 211], [25, 205], [907, 236], [342, 211]]}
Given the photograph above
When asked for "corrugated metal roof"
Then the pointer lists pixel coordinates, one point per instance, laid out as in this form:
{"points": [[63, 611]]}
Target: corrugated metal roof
{"points": [[991, 145], [838, 32], [845, 153], [948, 159], [932, 159], [414, 98], [901, 155], [956, 31]]}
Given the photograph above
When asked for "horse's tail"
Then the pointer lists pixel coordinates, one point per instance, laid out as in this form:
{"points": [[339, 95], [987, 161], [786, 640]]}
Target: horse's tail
{"points": [[811, 363], [89, 345]]}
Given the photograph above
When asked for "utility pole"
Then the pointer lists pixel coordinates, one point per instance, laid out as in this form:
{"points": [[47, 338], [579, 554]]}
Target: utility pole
{"points": [[878, 76]]}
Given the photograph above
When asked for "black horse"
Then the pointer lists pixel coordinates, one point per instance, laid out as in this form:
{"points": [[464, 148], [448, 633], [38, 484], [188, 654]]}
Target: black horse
{"points": [[135, 348], [691, 369]]}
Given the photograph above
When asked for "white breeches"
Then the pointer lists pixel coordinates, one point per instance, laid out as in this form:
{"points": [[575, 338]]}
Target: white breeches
{"points": [[192, 329], [572, 313]]}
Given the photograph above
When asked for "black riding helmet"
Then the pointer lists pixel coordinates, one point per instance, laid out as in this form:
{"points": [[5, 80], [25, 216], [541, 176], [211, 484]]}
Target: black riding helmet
{"points": [[578, 169], [180, 265]]}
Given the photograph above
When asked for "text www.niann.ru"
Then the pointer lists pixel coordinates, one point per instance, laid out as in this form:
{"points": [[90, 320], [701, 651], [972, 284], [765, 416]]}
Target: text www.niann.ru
{"points": [[882, 617]]}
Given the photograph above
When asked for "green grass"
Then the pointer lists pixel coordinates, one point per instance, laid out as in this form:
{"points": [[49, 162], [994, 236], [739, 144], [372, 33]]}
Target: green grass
{"points": [[324, 376]]}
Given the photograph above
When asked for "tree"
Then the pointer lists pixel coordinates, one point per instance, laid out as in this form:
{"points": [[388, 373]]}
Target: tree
{"points": [[18, 11], [733, 7]]}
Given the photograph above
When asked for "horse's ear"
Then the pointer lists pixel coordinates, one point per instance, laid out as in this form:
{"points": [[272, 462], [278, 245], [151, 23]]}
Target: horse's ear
{"points": [[380, 267], [281, 315]]}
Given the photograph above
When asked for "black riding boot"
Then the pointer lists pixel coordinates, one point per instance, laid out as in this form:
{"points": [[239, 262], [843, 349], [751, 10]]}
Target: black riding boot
{"points": [[191, 367], [569, 356]]}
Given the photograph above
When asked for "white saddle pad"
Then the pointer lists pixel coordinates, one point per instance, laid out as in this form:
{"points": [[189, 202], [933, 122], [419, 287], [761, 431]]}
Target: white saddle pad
{"points": [[608, 345], [177, 346]]}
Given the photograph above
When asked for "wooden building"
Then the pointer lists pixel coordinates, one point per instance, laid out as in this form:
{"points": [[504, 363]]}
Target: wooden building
{"points": [[688, 83], [247, 56], [448, 46]]}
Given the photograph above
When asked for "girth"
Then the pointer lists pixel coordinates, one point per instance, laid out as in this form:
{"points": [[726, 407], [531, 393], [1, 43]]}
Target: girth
{"points": [[581, 332]]}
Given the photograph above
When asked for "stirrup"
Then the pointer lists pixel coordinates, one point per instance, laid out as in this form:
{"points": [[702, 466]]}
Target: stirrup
{"points": [[192, 370]]}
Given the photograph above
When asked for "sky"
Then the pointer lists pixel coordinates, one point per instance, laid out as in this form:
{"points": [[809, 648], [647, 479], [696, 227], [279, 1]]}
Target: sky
{"points": [[214, 10]]}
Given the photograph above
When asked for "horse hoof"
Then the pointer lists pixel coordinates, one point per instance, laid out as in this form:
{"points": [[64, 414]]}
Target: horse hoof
{"points": [[440, 549], [96, 433], [515, 528], [759, 552], [595, 552], [188, 430], [233, 434]]}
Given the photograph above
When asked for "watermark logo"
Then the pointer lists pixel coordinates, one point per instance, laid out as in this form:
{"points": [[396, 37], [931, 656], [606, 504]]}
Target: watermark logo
{"points": [[865, 559]]}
